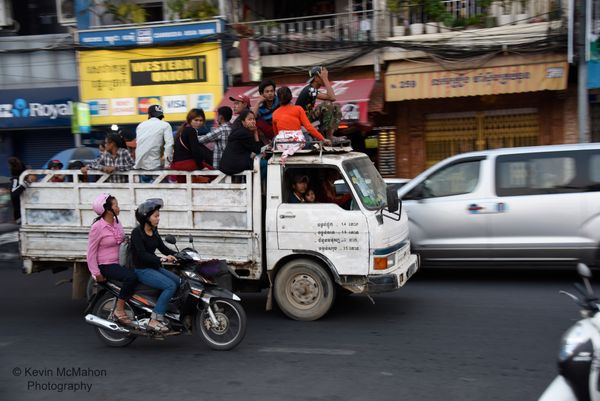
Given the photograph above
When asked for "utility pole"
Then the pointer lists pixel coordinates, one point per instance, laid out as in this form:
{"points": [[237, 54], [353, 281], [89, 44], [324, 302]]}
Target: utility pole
{"points": [[582, 72]]}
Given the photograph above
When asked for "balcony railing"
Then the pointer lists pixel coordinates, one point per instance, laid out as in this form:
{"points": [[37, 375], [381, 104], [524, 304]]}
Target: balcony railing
{"points": [[312, 33], [470, 13], [282, 35]]}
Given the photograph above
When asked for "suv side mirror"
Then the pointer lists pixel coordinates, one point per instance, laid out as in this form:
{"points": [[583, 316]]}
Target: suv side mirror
{"points": [[392, 200], [426, 189], [170, 239]]}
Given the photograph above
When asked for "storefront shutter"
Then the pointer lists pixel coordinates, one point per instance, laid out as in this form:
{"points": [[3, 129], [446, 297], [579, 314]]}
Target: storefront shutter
{"points": [[36, 147], [453, 133]]}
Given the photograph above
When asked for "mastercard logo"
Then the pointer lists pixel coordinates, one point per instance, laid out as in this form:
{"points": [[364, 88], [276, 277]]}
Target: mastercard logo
{"points": [[145, 102]]}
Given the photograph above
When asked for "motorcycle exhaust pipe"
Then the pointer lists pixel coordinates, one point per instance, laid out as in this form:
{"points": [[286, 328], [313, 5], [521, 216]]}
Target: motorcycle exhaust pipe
{"points": [[104, 324]]}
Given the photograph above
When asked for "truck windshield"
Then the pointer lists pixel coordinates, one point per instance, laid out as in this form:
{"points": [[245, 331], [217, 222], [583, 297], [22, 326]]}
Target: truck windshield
{"points": [[367, 182]]}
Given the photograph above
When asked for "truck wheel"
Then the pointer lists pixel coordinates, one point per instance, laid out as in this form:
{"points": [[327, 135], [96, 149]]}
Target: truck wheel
{"points": [[304, 290]]}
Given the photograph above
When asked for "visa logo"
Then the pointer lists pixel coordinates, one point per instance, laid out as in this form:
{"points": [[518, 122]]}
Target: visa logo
{"points": [[175, 104]]}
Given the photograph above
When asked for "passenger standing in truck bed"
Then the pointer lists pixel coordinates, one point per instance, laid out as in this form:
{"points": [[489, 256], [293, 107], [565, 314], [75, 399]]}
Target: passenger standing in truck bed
{"points": [[151, 136]]}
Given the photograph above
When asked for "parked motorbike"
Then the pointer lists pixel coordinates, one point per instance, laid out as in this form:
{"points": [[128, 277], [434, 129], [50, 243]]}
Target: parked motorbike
{"points": [[579, 355], [199, 307]]}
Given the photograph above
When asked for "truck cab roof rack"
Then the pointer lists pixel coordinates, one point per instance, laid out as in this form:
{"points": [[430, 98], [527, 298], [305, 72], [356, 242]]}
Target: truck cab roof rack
{"points": [[312, 147]]}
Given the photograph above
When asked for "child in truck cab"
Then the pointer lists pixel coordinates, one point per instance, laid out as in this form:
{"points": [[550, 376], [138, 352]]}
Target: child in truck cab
{"points": [[148, 267], [106, 235]]}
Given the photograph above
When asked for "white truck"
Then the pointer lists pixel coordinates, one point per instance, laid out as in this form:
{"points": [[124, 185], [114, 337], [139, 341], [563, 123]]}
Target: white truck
{"points": [[302, 253]]}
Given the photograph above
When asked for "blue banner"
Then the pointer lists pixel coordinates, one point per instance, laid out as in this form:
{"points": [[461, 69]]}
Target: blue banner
{"points": [[594, 64], [34, 108], [594, 75], [147, 35]]}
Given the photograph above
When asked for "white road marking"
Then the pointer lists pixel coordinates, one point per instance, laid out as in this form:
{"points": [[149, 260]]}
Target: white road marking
{"points": [[322, 351]]}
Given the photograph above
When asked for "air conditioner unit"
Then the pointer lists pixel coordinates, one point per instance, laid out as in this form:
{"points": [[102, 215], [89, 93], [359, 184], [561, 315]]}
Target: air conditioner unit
{"points": [[5, 13], [65, 10]]}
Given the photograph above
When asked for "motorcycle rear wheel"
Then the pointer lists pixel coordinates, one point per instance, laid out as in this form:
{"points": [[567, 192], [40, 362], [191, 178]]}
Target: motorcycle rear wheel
{"points": [[103, 309], [231, 328]]}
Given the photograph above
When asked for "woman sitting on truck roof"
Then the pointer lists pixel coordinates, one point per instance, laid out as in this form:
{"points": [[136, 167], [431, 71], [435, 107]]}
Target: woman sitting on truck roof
{"points": [[242, 142], [148, 267], [106, 235]]}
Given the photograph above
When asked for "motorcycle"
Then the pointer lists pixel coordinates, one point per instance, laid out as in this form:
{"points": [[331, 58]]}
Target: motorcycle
{"points": [[199, 307], [579, 356]]}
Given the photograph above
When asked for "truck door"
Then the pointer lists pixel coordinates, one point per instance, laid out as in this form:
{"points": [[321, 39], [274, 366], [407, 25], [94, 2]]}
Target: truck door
{"points": [[329, 226]]}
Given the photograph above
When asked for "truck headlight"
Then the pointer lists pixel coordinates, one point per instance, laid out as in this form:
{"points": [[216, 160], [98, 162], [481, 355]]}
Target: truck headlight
{"points": [[382, 263]]}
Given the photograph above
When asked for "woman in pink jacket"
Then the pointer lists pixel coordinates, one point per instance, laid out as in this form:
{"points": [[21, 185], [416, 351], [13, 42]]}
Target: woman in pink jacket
{"points": [[104, 242]]}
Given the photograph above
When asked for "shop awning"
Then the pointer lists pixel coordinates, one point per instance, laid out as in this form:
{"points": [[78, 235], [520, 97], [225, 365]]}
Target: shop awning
{"points": [[352, 95], [406, 80]]}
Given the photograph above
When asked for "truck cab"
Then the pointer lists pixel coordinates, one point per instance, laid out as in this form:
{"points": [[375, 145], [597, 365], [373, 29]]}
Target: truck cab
{"points": [[354, 242]]}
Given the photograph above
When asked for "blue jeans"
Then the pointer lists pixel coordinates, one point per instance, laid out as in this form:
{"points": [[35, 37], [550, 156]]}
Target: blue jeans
{"points": [[161, 279]]}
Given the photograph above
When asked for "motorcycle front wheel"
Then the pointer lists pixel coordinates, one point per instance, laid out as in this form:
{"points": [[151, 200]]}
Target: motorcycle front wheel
{"points": [[230, 328], [104, 309]]}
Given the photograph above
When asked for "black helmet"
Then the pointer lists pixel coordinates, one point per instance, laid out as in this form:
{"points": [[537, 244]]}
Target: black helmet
{"points": [[145, 210], [155, 111]]}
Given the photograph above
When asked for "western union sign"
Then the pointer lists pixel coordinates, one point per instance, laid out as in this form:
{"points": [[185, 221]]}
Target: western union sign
{"points": [[168, 71], [511, 74], [120, 85]]}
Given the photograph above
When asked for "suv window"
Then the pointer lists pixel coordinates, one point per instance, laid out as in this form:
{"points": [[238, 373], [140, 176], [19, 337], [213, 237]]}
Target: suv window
{"points": [[594, 169], [536, 174], [455, 179]]}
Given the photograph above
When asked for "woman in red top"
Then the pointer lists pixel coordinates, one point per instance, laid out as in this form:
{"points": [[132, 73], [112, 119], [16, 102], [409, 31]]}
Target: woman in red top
{"points": [[189, 154], [289, 117]]}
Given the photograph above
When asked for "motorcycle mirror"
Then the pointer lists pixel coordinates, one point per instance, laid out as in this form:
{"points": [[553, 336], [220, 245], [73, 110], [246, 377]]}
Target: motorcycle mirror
{"points": [[584, 270], [170, 239]]}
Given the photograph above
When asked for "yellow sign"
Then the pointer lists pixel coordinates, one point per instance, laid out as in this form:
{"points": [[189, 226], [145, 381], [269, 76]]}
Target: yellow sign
{"points": [[120, 85], [522, 77]]}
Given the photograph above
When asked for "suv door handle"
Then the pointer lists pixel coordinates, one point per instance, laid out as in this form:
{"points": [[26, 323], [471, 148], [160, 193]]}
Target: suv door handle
{"points": [[473, 207], [287, 216]]}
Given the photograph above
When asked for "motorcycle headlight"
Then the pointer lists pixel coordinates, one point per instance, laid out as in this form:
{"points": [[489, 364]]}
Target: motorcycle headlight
{"points": [[573, 338], [193, 255], [191, 274]]}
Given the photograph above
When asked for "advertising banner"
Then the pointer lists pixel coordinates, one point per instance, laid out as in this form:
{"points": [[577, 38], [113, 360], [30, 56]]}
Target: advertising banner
{"points": [[36, 108], [515, 77], [120, 85], [353, 96], [80, 121], [594, 53], [147, 35]]}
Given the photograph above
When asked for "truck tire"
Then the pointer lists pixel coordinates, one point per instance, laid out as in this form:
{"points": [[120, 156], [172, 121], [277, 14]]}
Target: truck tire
{"points": [[304, 290]]}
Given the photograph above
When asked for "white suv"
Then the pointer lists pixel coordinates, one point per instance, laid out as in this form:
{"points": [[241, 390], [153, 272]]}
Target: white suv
{"points": [[515, 205]]}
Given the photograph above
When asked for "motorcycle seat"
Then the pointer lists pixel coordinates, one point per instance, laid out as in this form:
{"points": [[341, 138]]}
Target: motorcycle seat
{"points": [[140, 288]]}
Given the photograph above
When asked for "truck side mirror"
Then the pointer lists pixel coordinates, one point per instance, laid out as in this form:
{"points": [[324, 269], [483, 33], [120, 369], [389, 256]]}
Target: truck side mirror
{"points": [[170, 239], [392, 200]]}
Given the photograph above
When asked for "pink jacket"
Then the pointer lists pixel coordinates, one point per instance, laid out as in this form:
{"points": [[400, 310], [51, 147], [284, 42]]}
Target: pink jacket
{"points": [[103, 245]]}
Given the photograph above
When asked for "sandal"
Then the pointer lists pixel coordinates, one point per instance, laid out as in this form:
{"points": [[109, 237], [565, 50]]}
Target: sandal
{"points": [[157, 326], [123, 319]]}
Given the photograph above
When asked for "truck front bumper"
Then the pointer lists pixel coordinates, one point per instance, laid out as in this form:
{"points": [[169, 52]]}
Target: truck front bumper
{"points": [[376, 283]]}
